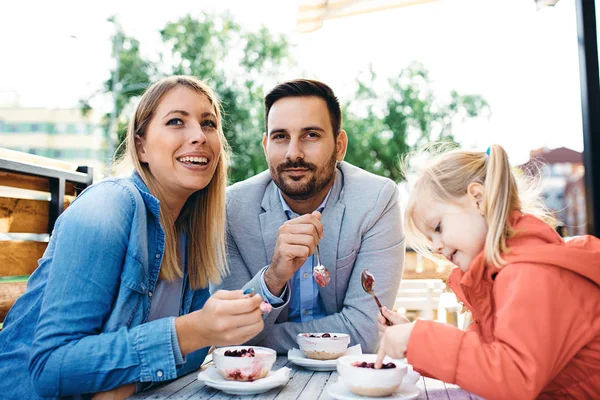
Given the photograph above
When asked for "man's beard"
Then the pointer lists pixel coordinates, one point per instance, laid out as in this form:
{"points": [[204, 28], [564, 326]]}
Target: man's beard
{"points": [[303, 191]]}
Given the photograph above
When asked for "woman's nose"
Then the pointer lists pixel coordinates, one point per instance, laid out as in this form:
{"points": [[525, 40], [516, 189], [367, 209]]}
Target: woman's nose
{"points": [[198, 136]]}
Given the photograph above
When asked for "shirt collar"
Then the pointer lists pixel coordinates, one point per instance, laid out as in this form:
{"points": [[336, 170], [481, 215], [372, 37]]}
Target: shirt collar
{"points": [[288, 210]]}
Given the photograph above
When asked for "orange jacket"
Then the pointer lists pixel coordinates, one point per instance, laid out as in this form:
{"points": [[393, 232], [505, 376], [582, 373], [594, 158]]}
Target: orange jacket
{"points": [[536, 330]]}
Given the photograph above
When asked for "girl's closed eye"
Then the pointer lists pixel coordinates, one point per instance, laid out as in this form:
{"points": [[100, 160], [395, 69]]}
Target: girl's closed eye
{"points": [[175, 121]]}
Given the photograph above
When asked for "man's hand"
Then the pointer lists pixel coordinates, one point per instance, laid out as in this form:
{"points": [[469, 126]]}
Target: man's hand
{"points": [[392, 316], [122, 392], [394, 342], [296, 241]]}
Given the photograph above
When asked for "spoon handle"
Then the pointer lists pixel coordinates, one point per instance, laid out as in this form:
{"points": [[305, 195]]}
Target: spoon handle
{"points": [[387, 321]]}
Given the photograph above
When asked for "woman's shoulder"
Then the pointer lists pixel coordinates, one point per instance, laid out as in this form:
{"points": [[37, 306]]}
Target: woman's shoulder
{"points": [[116, 194]]}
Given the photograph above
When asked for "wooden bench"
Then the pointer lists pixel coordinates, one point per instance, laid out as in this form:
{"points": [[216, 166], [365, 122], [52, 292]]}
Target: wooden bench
{"points": [[34, 191]]}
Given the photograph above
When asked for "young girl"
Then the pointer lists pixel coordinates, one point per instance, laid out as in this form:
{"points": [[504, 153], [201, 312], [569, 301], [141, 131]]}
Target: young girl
{"points": [[535, 299], [120, 298]]}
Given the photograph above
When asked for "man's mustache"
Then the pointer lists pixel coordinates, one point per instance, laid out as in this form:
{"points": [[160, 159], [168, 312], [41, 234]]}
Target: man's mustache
{"points": [[295, 164]]}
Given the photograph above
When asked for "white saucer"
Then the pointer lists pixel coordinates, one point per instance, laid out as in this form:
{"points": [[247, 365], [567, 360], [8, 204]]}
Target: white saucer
{"points": [[297, 357], [341, 391], [211, 377]]}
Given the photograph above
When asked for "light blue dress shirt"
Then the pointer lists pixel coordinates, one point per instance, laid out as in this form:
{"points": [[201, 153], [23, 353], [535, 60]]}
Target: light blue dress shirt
{"points": [[305, 302]]}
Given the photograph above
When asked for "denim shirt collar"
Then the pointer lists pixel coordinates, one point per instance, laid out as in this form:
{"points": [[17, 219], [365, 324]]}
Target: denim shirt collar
{"points": [[151, 202]]}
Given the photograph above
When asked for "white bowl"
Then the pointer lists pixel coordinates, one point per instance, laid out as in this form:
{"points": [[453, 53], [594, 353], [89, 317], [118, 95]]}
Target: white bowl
{"points": [[323, 348], [368, 381], [244, 368]]}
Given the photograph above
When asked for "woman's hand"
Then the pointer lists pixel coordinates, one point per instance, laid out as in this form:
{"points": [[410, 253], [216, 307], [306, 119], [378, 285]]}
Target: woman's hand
{"points": [[392, 316], [122, 392], [394, 342], [227, 318]]}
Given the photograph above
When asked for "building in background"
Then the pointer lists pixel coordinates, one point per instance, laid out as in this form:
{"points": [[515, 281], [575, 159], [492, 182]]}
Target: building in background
{"points": [[63, 134], [563, 186]]}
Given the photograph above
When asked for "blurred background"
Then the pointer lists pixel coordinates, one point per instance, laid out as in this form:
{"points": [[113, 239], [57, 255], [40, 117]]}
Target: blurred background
{"points": [[407, 72]]}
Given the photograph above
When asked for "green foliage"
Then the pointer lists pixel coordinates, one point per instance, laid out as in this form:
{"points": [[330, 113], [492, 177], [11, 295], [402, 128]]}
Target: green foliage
{"points": [[382, 125]]}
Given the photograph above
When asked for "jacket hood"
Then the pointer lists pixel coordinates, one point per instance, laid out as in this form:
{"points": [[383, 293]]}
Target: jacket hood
{"points": [[537, 242]]}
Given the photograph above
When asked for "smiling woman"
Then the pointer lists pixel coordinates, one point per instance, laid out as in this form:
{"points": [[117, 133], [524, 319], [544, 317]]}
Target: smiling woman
{"points": [[124, 280]]}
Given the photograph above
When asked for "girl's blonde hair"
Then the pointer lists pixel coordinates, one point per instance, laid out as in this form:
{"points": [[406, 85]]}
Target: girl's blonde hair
{"points": [[446, 178], [202, 217]]}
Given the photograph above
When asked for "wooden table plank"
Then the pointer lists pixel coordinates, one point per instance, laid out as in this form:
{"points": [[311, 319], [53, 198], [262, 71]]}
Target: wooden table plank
{"points": [[421, 385], [303, 384], [168, 389], [333, 378], [455, 392], [436, 390], [315, 385]]}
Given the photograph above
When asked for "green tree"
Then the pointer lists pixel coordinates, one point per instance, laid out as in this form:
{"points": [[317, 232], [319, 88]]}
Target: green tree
{"points": [[383, 125], [235, 62], [132, 78]]}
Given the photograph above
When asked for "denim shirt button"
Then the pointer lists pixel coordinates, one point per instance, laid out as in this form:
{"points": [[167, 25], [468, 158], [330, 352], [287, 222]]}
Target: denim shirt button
{"points": [[157, 255], [159, 373], [149, 294]]}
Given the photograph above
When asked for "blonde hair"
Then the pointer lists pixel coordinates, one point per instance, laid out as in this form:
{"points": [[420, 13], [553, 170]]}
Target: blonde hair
{"points": [[446, 178], [202, 217]]}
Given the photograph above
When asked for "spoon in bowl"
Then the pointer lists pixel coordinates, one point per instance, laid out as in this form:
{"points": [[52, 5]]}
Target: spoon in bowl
{"points": [[320, 272], [368, 280]]}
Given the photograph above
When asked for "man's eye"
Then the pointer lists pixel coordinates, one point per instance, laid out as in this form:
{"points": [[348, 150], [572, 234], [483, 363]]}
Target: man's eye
{"points": [[312, 134], [278, 137], [175, 121]]}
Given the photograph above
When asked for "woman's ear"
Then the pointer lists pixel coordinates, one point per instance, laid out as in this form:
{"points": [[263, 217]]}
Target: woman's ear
{"points": [[476, 191], [139, 147]]}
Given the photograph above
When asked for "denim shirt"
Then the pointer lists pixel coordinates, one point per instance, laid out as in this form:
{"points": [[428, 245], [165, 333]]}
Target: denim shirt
{"points": [[81, 326]]}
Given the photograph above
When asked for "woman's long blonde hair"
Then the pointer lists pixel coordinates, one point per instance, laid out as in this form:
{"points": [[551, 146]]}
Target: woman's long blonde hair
{"points": [[203, 215], [446, 178]]}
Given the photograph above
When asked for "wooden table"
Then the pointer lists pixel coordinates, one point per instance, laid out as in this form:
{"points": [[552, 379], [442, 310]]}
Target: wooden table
{"points": [[303, 384]]}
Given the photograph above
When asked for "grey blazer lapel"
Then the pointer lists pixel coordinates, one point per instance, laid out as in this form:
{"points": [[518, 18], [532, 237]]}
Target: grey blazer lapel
{"points": [[270, 221], [332, 223]]}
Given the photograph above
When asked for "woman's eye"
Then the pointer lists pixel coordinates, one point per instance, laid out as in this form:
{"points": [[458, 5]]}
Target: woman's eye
{"points": [[175, 121], [209, 124], [438, 228]]}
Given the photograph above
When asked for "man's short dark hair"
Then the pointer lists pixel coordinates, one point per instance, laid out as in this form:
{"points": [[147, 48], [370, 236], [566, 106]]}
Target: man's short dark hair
{"points": [[306, 88]]}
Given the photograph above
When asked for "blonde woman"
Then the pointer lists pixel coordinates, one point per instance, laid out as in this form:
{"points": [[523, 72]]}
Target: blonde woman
{"points": [[535, 299], [120, 298]]}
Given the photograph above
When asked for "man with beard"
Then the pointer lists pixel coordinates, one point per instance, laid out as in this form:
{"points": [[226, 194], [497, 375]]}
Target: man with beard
{"points": [[309, 197]]}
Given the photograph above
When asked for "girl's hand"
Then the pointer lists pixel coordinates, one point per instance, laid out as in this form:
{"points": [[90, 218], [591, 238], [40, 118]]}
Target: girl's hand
{"points": [[122, 392], [392, 316], [227, 318], [394, 342]]}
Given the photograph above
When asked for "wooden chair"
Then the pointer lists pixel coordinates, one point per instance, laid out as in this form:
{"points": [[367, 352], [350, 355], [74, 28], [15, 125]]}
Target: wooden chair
{"points": [[34, 191], [420, 295]]}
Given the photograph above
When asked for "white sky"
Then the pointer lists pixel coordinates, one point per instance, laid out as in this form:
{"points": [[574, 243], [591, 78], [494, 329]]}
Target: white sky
{"points": [[525, 63]]}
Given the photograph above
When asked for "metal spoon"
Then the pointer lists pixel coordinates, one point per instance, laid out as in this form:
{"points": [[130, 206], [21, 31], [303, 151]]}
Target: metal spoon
{"points": [[368, 280], [320, 272]]}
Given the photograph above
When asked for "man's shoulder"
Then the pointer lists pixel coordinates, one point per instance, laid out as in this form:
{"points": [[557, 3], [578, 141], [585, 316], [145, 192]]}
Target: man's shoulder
{"points": [[357, 181], [249, 191]]}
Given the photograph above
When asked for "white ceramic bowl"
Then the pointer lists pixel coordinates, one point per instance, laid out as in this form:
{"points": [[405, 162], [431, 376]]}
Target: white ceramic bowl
{"points": [[244, 368], [323, 348], [368, 381]]}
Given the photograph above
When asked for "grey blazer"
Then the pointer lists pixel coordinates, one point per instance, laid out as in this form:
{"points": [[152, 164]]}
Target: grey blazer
{"points": [[362, 229]]}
